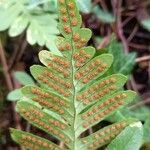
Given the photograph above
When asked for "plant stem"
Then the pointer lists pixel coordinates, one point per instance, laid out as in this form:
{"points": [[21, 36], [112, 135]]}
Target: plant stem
{"points": [[5, 68], [117, 11], [9, 83]]}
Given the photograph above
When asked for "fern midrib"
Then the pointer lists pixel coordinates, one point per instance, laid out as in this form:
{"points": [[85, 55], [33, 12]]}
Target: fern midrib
{"points": [[73, 74]]}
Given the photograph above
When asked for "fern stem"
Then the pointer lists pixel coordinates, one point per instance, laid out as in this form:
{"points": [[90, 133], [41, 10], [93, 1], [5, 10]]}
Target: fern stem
{"points": [[73, 88]]}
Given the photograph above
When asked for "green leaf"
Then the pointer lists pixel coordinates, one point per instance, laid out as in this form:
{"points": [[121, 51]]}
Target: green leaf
{"points": [[31, 141], [85, 5], [146, 128], [117, 116], [40, 25], [104, 108], [8, 15], [31, 35], [106, 134], [146, 24], [141, 113], [23, 78], [122, 63], [129, 63], [14, 95], [39, 32], [104, 16], [52, 46], [51, 6], [44, 119], [28, 91], [34, 3], [18, 26], [130, 138]]}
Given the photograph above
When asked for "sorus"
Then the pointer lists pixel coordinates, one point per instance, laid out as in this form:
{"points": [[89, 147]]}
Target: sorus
{"points": [[72, 13], [71, 5], [65, 18], [74, 22], [76, 37], [61, 1], [67, 29], [63, 10]]}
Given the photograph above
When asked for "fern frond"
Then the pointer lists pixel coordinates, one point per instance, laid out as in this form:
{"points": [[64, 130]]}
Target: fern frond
{"points": [[73, 95]]}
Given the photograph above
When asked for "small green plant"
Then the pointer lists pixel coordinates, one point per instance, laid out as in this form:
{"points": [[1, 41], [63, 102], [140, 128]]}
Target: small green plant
{"points": [[73, 95], [39, 23]]}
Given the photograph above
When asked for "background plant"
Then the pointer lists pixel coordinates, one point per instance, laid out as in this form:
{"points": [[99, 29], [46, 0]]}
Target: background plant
{"points": [[37, 18]]}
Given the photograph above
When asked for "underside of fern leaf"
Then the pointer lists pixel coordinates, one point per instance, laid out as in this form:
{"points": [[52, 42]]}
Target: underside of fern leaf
{"points": [[73, 95]]}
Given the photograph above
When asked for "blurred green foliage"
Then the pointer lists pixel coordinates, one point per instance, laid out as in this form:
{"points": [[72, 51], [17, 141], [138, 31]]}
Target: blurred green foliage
{"points": [[104, 16], [123, 63], [39, 23], [24, 79], [129, 139], [146, 24]]}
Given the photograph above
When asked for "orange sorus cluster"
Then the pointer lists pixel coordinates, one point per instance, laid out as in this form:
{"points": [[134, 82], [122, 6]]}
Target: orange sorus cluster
{"points": [[103, 92], [35, 119], [67, 29], [94, 73], [61, 61], [28, 145], [32, 142], [94, 68], [76, 37], [95, 88], [96, 96], [68, 11], [80, 43], [32, 111], [40, 93], [54, 86], [50, 75], [54, 98], [59, 69], [81, 58], [70, 20], [109, 106], [102, 84], [58, 123], [50, 105], [102, 137], [65, 46]]}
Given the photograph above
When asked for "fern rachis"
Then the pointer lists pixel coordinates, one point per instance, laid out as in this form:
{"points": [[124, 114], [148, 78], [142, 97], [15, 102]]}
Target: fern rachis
{"points": [[73, 95]]}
